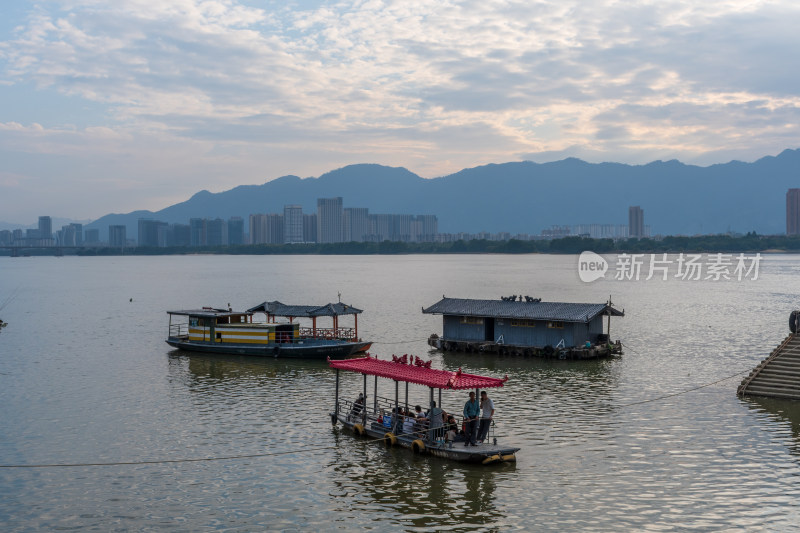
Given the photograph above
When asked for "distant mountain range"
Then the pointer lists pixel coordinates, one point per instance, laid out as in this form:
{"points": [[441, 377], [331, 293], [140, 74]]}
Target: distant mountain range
{"points": [[526, 197]]}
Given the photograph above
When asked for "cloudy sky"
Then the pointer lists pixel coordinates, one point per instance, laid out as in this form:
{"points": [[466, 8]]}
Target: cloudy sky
{"points": [[117, 105]]}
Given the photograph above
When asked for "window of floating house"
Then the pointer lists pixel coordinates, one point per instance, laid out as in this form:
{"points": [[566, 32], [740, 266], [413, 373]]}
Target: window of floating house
{"points": [[556, 324], [472, 320], [523, 323]]}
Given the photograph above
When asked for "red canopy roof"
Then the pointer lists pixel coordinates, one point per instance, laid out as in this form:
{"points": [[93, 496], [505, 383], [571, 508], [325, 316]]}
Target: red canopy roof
{"points": [[417, 373]]}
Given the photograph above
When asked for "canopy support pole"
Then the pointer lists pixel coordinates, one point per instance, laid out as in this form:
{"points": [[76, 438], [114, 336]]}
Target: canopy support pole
{"points": [[375, 404], [364, 405], [396, 416], [336, 402], [356, 317]]}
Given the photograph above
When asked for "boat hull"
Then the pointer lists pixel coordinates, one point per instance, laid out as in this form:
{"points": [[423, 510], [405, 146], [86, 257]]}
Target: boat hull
{"points": [[308, 350], [485, 454]]}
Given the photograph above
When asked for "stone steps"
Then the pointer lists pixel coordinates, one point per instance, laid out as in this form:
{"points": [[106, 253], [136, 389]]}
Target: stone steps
{"points": [[777, 376]]}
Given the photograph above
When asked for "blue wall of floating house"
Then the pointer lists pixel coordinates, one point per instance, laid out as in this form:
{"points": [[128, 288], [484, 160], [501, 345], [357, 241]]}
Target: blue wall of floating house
{"points": [[539, 335]]}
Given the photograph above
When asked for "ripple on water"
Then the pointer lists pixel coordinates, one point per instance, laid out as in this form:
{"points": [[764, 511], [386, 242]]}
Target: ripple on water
{"points": [[597, 452]]}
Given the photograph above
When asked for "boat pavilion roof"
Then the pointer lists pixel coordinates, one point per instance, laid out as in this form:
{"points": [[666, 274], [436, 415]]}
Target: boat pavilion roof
{"points": [[208, 312], [416, 372], [533, 309], [277, 308]]}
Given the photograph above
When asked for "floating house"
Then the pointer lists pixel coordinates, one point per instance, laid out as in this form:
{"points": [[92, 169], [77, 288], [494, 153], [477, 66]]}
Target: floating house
{"points": [[525, 326]]}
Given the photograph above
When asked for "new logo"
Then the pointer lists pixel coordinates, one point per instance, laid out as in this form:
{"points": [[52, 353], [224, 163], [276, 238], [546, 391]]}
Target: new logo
{"points": [[591, 267]]}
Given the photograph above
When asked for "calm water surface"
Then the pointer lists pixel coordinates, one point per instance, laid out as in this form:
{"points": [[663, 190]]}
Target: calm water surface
{"points": [[618, 444]]}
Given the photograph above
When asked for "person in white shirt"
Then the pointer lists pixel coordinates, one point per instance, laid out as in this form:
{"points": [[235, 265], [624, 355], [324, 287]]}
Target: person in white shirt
{"points": [[487, 413]]}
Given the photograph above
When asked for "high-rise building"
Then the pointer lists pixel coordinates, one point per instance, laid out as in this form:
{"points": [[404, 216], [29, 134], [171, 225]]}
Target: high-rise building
{"points": [[793, 212], [428, 227], [355, 224], [181, 235], [217, 232], [71, 235], [91, 236], [67, 236], [380, 228], [235, 231], [636, 222], [401, 228], [198, 232], [45, 228], [117, 235], [266, 229], [310, 228], [329, 220], [152, 233], [292, 224]]}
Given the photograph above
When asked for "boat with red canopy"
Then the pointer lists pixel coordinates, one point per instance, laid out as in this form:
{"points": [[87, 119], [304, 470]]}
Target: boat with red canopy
{"points": [[435, 432]]}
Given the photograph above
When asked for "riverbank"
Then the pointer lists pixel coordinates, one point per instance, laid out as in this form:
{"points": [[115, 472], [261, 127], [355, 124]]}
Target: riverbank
{"points": [[567, 245]]}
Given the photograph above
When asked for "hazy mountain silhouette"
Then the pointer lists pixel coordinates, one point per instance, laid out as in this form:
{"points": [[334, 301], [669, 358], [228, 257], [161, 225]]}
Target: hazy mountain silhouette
{"points": [[526, 197]]}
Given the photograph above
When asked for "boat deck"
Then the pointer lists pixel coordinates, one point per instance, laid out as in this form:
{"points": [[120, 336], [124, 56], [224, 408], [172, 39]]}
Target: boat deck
{"points": [[422, 441]]}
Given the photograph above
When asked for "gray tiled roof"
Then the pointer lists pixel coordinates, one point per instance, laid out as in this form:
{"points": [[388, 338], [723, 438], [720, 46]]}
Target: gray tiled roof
{"points": [[208, 312], [280, 309], [565, 312]]}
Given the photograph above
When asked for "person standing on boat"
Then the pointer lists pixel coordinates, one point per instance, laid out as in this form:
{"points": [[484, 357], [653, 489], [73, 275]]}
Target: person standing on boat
{"points": [[487, 412], [472, 409], [435, 422]]}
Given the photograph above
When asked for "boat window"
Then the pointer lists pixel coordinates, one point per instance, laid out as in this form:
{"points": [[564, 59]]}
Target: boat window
{"points": [[194, 321]]}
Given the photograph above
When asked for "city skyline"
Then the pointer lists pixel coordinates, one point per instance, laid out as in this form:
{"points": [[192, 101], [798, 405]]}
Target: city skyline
{"points": [[144, 103]]}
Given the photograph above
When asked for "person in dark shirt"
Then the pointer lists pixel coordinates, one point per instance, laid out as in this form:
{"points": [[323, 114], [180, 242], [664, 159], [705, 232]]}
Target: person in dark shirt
{"points": [[472, 410]]}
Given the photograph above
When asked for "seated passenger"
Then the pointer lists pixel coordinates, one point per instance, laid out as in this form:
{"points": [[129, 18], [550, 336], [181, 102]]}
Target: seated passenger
{"points": [[358, 406], [408, 425]]}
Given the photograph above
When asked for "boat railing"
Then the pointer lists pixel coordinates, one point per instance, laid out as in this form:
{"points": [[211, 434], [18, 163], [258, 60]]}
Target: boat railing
{"points": [[179, 330], [377, 411], [348, 334]]}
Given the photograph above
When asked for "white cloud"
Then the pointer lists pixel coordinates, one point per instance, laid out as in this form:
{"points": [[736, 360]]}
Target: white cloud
{"points": [[431, 86]]}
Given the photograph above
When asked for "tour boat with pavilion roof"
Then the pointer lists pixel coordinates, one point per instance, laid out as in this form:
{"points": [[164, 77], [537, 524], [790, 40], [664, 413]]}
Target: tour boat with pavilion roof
{"points": [[235, 332], [382, 418]]}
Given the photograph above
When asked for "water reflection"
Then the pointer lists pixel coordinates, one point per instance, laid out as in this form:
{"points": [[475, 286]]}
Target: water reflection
{"points": [[204, 367], [551, 400], [417, 491], [783, 412]]}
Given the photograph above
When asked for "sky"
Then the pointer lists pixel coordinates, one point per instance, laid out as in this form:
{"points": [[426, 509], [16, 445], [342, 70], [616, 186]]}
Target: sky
{"points": [[119, 105]]}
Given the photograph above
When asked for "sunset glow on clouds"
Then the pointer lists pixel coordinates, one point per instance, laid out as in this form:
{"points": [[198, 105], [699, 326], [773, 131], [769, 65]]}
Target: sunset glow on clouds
{"points": [[145, 102]]}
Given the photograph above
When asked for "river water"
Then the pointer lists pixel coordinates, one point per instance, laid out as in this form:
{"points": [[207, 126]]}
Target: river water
{"points": [[653, 440]]}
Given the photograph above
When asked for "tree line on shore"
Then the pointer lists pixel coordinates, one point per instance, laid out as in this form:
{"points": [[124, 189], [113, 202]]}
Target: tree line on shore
{"points": [[750, 242]]}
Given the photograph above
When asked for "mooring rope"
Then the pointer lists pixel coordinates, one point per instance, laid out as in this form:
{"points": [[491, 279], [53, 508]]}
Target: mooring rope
{"points": [[367, 442], [321, 448]]}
